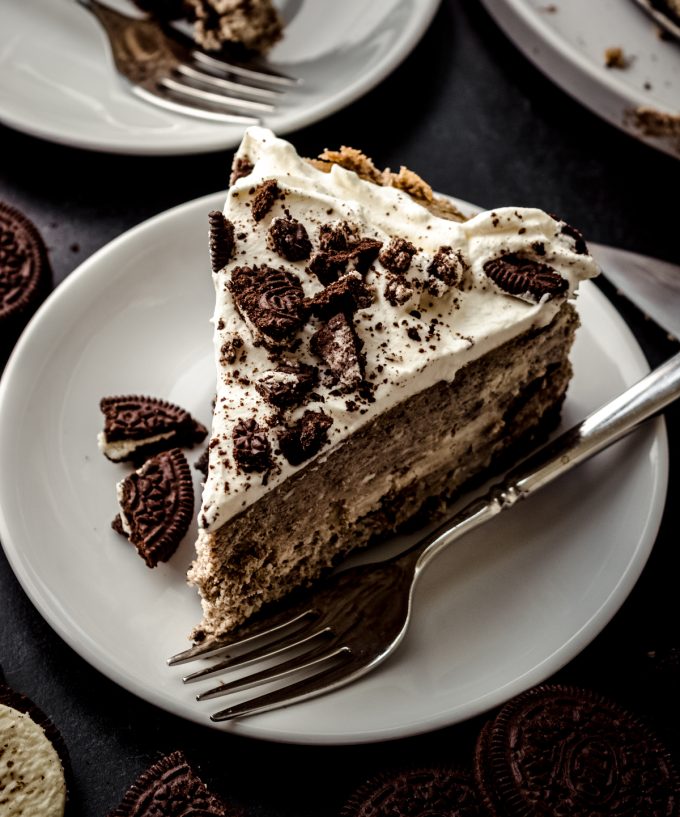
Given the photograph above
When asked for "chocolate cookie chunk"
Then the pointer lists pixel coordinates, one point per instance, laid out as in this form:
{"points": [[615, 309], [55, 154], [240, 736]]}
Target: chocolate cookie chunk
{"points": [[397, 256], [525, 278], [25, 274], [222, 242], [251, 446], [306, 437], [156, 506], [565, 751], [439, 791], [33, 759], [347, 294], [265, 196], [289, 239], [337, 344], [170, 788], [270, 300], [287, 384], [136, 427]]}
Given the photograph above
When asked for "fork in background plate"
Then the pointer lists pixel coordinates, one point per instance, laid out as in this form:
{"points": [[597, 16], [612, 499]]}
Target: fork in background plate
{"points": [[358, 618], [165, 69]]}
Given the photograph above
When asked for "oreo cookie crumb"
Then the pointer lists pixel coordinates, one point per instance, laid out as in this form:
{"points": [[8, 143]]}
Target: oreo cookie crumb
{"points": [[265, 196], [347, 294], [397, 256], [287, 385], [306, 438], [289, 239], [251, 446], [337, 344]]}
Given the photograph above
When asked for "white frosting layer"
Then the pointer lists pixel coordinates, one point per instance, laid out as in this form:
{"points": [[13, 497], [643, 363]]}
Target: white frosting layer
{"points": [[471, 319]]}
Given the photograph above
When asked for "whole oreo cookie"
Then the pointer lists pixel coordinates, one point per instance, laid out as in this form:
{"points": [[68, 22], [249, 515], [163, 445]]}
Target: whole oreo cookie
{"points": [[156, 506], [33, 759], [25, 274], [565, 751], [438, 792], [170, 788]]}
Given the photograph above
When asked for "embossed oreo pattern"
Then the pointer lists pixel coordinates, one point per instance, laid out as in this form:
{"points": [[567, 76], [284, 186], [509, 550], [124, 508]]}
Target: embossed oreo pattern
{"points": [[565, 751], [170, 788]]}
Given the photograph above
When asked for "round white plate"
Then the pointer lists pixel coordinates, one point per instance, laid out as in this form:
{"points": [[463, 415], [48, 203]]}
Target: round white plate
{"points": [[59, 83], [504, 609], [567, 40]]}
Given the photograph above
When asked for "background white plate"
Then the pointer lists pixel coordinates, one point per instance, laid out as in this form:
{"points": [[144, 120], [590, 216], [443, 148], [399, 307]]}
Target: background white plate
{"points": [[503, 609], [58, 81], [568, 45]]}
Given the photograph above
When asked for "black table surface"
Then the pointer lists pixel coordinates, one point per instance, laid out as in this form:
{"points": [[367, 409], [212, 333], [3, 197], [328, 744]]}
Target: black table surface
{"points": [[471, 115]]}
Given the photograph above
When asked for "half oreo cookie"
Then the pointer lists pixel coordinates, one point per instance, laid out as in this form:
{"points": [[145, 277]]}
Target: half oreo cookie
{"points": [[156, 506]]}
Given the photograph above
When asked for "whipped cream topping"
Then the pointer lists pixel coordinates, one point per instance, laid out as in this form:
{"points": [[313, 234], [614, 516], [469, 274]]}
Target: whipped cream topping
{"points": [[418, 329]]}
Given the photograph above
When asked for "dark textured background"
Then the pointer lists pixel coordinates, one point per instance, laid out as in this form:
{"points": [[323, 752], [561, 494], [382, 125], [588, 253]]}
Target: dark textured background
{"points": [[472, 116]]}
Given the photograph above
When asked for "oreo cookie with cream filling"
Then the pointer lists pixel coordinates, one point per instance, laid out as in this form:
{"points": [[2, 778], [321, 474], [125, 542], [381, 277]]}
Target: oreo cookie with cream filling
{"points": [[33, 760], [136, 427]]}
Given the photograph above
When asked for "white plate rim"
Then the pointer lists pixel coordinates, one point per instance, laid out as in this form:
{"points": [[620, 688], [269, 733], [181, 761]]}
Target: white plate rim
{"points": [[210, 140], [39, 595], [625, 97]]}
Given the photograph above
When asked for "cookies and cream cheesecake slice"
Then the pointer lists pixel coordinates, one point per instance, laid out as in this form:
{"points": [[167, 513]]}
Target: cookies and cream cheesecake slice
{"points": [[375, 351]]}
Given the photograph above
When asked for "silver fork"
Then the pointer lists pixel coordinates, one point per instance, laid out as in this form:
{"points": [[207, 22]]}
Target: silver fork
{"points": [[668, 21], [358, 618], [164, 68]]}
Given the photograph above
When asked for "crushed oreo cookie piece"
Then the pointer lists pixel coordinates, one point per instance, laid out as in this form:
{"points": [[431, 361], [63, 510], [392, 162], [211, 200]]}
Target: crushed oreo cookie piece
{"points": [[240, 168], [397, 256], [137, 426], [347, 294], [271, 299], [251, 446], [363, 253], [221, 240], [327, 266], [448, 265], [157, 505], [306, 437], [231, 349], [170, 788], [201, 464], [265, 196], [337, 343], [287, 385], [437, 791], [398, 290], [334, 238], [525, 278], [576, 753], [580, 246], [289, 239]]}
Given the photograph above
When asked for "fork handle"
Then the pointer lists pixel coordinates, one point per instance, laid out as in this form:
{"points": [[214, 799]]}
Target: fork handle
{"points": [[605, 426]]}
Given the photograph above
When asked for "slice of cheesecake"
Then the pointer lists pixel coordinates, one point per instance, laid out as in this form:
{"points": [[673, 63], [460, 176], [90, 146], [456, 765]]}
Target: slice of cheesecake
{"points": [[375, 351]]}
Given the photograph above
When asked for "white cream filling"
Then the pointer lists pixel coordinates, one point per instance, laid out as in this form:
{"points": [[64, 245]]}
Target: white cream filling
{"points": [[120, 449], [471, 320]]}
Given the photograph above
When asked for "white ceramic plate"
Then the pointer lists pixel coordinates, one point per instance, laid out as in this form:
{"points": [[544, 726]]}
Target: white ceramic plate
{"points": [[568, 44], [58, 81], [503, 609]]}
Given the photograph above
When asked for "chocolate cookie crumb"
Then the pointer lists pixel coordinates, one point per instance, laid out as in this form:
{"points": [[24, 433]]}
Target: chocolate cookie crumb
{"points": [[448, 265], [289, 239], [580, 245], [265, 196], [615, 58], [398, 290], [306, 437], [240, 168], [336, 342], [221, 240], [347, 294], [397, 256], [287, 385]]}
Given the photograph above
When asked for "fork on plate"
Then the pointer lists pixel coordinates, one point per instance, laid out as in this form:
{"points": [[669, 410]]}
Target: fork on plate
{"points": [[165, 68], [357, 618]]}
